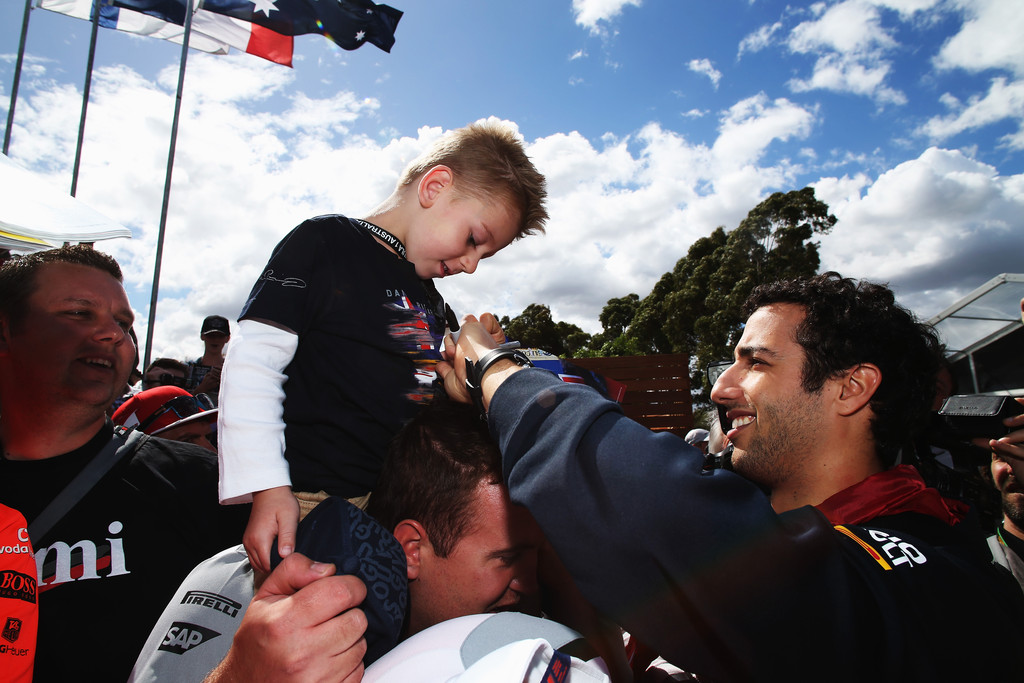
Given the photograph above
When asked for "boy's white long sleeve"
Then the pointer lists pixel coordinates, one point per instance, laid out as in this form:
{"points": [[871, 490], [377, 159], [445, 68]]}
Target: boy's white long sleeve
{"points": [[250, 420]]}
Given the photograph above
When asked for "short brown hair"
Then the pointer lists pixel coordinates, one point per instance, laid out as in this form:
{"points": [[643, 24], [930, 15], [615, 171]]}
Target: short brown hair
{"points": [[487, 158], [18, 275], [433, 470]]}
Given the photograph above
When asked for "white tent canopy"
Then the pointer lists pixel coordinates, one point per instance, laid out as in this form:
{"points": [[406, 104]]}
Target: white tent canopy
{"points": [[34, 216]]}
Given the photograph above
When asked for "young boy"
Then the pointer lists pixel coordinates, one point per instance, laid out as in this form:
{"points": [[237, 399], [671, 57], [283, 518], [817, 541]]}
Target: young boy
{"points": [[337, 344]]}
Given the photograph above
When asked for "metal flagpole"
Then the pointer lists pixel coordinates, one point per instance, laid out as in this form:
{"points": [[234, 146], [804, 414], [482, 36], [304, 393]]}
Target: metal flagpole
{"points": [[17, 76], [167, 187], [85, 95]]}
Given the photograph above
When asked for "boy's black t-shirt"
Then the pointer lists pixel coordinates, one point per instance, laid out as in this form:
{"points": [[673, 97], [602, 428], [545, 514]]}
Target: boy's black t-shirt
{"points": [[370, 334], [114, 560]]}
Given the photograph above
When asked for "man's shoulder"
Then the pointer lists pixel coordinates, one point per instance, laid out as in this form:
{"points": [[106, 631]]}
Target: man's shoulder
{"points": [[912, 538], [175, 463], [205, 611], [155, 448]]}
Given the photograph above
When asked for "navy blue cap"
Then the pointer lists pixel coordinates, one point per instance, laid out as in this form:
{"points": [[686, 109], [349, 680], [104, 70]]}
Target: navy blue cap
{"points": [[338, 532]]}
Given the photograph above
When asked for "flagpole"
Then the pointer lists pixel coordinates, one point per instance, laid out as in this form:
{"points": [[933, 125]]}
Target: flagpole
{"points": [[167, 187], [85, 95], [17, 76]]}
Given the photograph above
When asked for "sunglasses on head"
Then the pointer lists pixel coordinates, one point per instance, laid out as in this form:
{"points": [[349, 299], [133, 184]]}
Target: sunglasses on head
{"points": [[164, 379], [181, 406], [717, 369]]}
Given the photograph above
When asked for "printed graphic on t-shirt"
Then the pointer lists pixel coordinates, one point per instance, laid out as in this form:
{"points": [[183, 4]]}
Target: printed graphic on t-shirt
{"points": [[410, 326], [182, 636], [61, 562]]}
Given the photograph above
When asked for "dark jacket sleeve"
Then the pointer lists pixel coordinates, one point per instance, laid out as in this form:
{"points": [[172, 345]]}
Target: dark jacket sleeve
{"points": [[697, 565]]}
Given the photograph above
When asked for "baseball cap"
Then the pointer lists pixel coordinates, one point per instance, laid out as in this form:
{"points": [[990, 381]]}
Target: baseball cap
{"points": [[215, 323], [158, 409], [696, 436], [338, 532]]}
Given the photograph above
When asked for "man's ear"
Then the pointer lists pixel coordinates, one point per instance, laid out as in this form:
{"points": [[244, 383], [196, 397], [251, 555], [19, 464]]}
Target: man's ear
{"points": [[411, 536], [433, 183], [857, 386]]}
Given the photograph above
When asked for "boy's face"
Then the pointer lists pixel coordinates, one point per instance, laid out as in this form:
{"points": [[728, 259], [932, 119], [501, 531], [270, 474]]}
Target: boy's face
{"points": [[456, 232]]}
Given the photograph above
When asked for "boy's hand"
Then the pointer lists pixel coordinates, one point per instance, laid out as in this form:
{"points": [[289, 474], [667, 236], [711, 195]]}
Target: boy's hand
{"points": [[303, 624], [275, 512], [476, 337]]}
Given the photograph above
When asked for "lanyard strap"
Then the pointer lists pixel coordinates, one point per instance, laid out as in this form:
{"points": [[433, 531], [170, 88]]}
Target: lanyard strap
{"points": [[380, 232], [121, 444], [432, 293]]}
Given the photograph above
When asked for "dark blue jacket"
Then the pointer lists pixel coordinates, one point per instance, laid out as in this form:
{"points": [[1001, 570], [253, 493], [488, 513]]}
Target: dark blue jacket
{"points": [[700, 567]]}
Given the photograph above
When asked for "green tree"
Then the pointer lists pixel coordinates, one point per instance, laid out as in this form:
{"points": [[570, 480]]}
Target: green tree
{"points": [[696, 308], [535, 328], [615, 318]]}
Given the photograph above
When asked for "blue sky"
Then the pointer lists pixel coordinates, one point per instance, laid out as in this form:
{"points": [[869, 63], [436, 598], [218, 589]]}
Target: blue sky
{"points": [[655, 121]]}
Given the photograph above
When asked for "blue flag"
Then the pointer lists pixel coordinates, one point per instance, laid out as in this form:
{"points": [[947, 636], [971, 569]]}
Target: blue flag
{"points": [[349, 23]]}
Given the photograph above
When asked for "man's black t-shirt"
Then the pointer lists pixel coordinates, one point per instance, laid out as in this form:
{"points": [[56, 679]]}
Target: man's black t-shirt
{"points": [[369, 333], [108, 567]]}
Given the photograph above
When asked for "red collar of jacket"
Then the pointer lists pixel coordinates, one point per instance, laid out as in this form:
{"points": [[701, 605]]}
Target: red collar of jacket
{"points": [[890, 492]]}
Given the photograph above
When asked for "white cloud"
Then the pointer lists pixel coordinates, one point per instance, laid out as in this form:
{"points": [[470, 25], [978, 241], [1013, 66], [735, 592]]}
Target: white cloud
{"points": [[624, 208], [851, 43], [990, 38], [842, 74], [705, 68], [940, 222], [750, 125], [848, 27], [1003, 100], [591, 13], [759, 39]]}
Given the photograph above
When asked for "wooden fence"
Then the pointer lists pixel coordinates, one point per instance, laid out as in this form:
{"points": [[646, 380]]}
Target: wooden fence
{"points": [[657, 388]]}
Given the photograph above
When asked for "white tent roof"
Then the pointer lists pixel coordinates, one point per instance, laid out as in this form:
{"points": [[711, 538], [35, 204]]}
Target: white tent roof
{"points": [[34, 216]]}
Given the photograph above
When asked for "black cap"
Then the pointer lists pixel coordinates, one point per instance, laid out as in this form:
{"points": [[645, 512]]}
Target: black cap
{"points": [[215, 323]]}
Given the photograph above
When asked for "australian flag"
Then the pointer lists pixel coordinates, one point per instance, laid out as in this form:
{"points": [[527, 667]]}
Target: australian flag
{"points": [[349, 23]]}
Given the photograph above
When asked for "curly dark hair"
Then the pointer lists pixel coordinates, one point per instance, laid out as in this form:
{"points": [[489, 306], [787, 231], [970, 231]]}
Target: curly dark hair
{"points": [[850, 322], [18, 275], [432, 471]]}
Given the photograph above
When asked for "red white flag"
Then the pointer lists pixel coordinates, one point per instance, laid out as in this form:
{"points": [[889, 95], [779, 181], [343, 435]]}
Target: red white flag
{"points": [[213, 33]]}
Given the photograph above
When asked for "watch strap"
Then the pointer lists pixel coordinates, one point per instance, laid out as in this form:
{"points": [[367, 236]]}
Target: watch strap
{"points": [[475, 371]]}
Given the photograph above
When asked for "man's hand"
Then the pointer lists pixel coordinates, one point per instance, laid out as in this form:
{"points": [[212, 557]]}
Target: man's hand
{"points": [[476, 337], [303, 624], [275, 512], [210, 383], [1011, 446]]}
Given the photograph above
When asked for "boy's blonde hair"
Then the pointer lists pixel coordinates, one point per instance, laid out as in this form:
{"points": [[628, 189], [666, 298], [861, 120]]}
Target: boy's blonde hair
{"points": [[487, 159]]}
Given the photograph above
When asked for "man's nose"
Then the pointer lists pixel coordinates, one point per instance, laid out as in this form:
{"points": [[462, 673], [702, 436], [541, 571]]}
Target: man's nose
{"points": [[108, 328]]}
